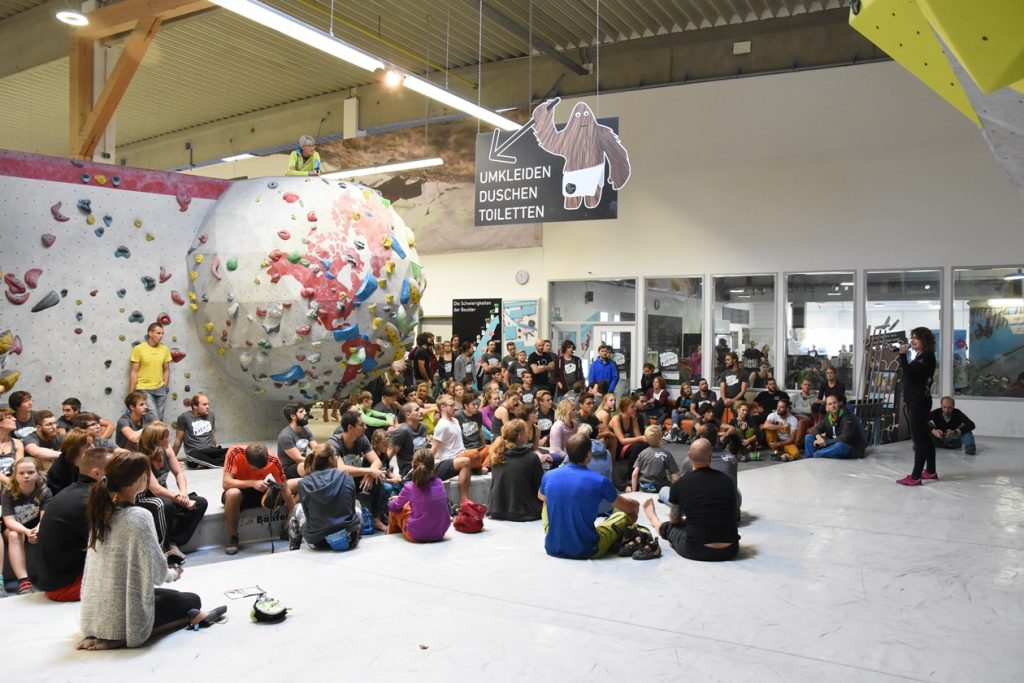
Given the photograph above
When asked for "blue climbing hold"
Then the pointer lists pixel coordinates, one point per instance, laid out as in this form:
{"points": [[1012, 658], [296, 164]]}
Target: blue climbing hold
{"points": [[121, 293], [99, 231], [122, 252], [149, 283], [405, 295], [366, 289], [107, 220], [346, 332], [79, 316], [136, 317], [291, 376], [397, 247], [369, 364], [115, 181], [86, 177], [85, 206]]}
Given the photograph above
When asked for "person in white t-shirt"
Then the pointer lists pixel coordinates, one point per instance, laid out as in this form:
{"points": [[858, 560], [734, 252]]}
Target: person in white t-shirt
{"points": [[450, 455], [782, 429]]}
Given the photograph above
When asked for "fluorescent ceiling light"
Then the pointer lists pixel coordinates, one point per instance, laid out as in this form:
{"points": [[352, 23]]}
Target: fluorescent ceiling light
{"points": [[239, 157], [834, 293], [302, 32], [384, 168], [452, 100], [72, 18], [847, 284], [1019, 275], [736, 291], [1006, 303]]}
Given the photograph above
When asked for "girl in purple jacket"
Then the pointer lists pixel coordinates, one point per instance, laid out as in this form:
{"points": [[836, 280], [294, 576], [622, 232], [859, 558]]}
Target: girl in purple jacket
{"points": [[420, 510]]}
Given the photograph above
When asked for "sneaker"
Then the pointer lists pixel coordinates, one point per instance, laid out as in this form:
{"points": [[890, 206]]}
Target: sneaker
{"points": [[930, 476], [755, 456], [649, 551], [971, 450], [232, 547], [776, 456], [25, 587], [908, 481], [367, 522], [673, 435]]}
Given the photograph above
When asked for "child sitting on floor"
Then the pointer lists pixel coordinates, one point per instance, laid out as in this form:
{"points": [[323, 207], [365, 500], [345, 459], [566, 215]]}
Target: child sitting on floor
{"points": [[420, 511], [23, 500], [655, 467]]}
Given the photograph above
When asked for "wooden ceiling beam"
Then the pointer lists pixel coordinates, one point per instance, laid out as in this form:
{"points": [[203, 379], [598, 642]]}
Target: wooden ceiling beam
{"points": [[80, 88], [88, 136], [122, 17]]}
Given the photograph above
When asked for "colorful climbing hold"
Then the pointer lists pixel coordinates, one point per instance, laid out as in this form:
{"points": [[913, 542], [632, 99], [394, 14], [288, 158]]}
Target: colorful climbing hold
{"points": [[16, 346], [107, 220], [122, 252], [94, 292], [115, 181], [290, 376], [164, 319], [149, 237], [120, 293], [290, 197], [98, 232], [177, 354], [187, 375], [8, 378], [90, 219], [48, 378], [198, 258], [284, 234], [149, 283], [272, 184], [137, 223], [78, 330], [79, 315], [50, 300], [85, 206], [101, 180], [136, 317], [14, 284], [311, 216], [183, 202], [294, 257], [192, 296], [177, 298], [304, 330], [57, 215], [120, 337], [232, 264], [48, 240]]}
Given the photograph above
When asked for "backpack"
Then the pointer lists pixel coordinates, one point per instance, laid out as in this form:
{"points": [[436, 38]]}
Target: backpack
{"points": [[470, 518]]}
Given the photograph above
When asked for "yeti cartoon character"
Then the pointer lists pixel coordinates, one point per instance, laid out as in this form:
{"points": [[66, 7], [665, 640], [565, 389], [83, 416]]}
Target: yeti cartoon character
{"points": [[585, 144]]}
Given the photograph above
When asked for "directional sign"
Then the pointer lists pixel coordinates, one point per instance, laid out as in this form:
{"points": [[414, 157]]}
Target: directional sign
{"points": [[548, 173]]}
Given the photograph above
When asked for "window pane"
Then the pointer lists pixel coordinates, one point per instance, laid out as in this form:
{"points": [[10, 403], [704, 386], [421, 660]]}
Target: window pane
{"points": [[610, 301], [675, 322], [900, 300], [819, 323], [988, 332], [744, 319]]}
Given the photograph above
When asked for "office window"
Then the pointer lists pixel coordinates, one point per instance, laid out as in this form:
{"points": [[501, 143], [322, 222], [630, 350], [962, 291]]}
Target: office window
{"points": [[675, 322], [900, 300], [819, 328], [988, 332]]}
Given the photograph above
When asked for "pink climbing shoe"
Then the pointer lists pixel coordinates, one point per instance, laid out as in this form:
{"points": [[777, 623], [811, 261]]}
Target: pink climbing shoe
{"points": [[929, 476], [908, 481]]}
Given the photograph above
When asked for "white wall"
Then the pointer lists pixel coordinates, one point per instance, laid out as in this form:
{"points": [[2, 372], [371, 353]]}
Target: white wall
{"points": [[838, 169]]}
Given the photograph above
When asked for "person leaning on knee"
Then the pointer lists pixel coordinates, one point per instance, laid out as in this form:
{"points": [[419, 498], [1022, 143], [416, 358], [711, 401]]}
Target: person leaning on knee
{"points": [[951, 428]]}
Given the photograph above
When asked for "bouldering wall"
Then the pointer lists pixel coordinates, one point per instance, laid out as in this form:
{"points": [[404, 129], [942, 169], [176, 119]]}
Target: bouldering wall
{"points": [[91, 254]]}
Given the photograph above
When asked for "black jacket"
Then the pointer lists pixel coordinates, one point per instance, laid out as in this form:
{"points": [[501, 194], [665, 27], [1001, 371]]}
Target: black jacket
{"points": [[956, 421], [63, 537], [514, 486], [845, 430]]}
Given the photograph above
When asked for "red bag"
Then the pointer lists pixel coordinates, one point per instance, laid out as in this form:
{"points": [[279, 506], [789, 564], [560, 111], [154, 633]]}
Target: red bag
{"points": [[470, 519]]}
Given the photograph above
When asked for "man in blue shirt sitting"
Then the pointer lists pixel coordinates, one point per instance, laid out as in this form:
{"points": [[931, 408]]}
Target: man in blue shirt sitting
{"points": [[572, 495]]}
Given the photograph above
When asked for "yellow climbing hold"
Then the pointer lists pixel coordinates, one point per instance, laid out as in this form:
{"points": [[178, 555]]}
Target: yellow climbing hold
{"points": [[390, 298], [192, 276], [120, 337], [390, 267], [414, 294], [372, 308], [101, 180], [221, 350], [149, 237], [194, 307], [264, 263], [199, 258], [209, 327], [78, 302], [192, 296], [382, 282], [209, 339], [387, 242], [256, 281], [90, 219], [137, 223], [377, 322]]}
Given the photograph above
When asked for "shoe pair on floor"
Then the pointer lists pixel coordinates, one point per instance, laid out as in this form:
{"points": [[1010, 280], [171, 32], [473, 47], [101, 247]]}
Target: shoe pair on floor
{"points": [[910, 481]]}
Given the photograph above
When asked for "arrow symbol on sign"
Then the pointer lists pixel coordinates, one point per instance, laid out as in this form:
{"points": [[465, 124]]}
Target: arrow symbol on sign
{"points": [[498, 148]]}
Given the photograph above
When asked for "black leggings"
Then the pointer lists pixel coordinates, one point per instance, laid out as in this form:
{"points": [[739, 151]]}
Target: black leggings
{"points": [[173, 606], [682, 544], [924, 447], [622, 467]]}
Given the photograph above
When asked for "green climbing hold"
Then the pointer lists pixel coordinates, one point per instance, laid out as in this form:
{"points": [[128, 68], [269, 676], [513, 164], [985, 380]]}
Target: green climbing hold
{"points": [[416, 270], [295, 257], [304, 262], [385, 201], [232, 264]]}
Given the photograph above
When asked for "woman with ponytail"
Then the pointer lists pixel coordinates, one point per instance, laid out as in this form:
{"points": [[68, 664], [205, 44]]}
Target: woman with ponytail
{"points": [[183, 512], [420, 510], [120, 605], [516, 472], [328, 500]]}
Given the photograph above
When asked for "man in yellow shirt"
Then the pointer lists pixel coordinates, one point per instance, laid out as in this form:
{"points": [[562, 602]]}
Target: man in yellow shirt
{"points": [[304, 160], [151, 369]]}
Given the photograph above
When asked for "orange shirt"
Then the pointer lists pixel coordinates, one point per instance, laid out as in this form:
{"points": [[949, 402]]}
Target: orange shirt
{"points": [[237, 465]]}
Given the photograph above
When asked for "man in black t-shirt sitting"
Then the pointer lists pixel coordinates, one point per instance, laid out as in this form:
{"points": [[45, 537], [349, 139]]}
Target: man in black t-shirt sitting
{"points": [[702, 519]]}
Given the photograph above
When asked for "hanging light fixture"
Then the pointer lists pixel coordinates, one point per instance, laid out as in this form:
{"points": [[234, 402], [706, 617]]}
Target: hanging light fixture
{"points": [[72, 17], [1019, 275]]}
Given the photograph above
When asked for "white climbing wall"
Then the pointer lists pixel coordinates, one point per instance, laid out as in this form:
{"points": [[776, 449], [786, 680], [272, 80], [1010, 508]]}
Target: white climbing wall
{"points": [[90, 255]]}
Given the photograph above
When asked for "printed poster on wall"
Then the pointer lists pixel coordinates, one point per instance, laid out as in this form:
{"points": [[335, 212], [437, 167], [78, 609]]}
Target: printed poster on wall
{"points": [[477, 320], [549, 173], [519, 323]]}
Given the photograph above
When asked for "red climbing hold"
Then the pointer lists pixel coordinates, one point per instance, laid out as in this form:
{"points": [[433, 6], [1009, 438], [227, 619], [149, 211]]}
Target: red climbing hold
{"points": [[290, 197], [311, 216], [202, 239], [164, 319], [164, 275], [177, 298], [16, 346], [183, 202], [276, 255], [57, 215], [32, 277], [308, 292], [304, 330], [177, 354], [48, 378], [261, 312], [48, 240], [224, 336], [94, 292], [284, 234], [14, 284], [78, 330]]}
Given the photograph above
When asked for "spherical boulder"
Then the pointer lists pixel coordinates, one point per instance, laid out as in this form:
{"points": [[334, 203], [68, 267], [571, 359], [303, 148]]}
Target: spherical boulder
{"points": [[299, 285]]}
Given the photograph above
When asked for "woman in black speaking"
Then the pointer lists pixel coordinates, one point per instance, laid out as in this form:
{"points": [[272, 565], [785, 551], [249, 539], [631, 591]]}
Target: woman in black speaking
{"points": [[917, 392]]}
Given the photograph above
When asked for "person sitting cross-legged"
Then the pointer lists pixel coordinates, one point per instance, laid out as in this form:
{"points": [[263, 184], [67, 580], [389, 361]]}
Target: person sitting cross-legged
{"points": [[836, 436], [328, 500], [245, 480], [951, 428], [702, 518], [781, 429], [420, 510], [516, 475], [572, 495], [655, 467]]}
